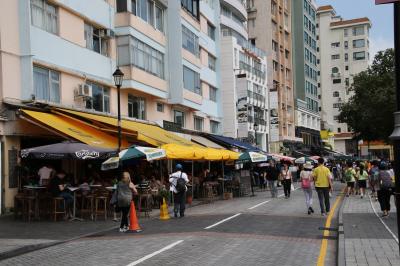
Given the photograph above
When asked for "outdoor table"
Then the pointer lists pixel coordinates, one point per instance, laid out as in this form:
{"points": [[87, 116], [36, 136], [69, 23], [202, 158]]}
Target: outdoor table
{"points": [[74, 190], [35, 190]]}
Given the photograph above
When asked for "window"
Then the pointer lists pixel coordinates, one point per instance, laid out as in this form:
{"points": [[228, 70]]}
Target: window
{"points": [[179, 118], [336, 117], [335, 44], [335, 70], [192, 6], [211, 31], [347, 81], [335, 56], [358, 56], [160, 107], [214, 127], [358, 31], [337, 81], [286, 54], [44, 16], [339, 130], [198, 123], [275, 65], [94, 41], [346, 32], [346, 68], [335, 94], [273, 8], [359, 43], [337, 105], [46, 84], [346, 44], [211, 62], [100, 98], [191, 80], [135, 52], [149, 11], [213, 94], [136, 107], [190, 41], [275, 46], [122, 5], [346, 57]]}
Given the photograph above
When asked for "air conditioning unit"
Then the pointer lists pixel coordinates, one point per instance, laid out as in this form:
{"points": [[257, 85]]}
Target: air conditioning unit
{"points": [[84, 90], [106, 33]]}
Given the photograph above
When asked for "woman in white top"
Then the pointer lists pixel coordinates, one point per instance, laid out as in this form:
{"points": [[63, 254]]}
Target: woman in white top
{"points": [[306, 178], [286, 180]]}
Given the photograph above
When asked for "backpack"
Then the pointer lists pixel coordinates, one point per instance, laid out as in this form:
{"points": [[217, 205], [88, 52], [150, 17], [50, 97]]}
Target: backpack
{"points": [[386, 179], [374, 174], [348, 175], [124, 195], [180, 184]]}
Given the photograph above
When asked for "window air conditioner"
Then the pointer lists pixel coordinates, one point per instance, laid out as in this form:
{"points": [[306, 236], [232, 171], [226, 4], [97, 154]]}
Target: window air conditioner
{"points": [[84, 90]]}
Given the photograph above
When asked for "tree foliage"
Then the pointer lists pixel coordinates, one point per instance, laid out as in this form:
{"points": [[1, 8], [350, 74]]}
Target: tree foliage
{"points": [[369, 111]]}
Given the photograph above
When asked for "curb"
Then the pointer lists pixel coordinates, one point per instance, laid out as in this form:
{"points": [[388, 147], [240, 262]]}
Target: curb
{"points": [[341, 251]]}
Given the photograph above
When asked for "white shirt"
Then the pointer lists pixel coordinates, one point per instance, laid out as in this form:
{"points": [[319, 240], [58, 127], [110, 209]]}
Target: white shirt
{"points": [[173, 179], [44, 173]]}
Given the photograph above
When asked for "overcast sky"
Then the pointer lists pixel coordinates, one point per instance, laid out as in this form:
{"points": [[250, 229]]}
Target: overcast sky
{"points": [[381, 34]]}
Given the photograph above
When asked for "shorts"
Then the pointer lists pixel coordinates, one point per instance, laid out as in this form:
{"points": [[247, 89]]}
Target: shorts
{"points": [[362, 183], [350, 184]]}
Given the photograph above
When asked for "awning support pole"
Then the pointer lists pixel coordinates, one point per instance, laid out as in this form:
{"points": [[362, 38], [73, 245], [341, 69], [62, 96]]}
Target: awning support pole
{"points": [[223, 179]]}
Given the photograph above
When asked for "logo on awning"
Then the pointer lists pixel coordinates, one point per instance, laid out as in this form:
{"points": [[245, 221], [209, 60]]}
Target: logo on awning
{"points": [[86, 154]]}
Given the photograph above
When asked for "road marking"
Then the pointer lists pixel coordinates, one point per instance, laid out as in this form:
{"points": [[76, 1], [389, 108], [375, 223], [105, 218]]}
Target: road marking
{"points": [[136, 262], [324, 244], [265, 202], [259, 204], [380, 219], [222, 221]]}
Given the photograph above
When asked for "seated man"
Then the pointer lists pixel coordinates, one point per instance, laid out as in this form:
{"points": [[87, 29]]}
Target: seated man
{"points": [[58, 188]]}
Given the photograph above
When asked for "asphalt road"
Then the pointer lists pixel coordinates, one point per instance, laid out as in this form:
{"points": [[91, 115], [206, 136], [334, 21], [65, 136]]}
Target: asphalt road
{"points": [[246, 231]]}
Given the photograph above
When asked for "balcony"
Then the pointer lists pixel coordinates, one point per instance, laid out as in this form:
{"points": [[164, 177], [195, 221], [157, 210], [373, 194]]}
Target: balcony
{"points": [[239, 5]]}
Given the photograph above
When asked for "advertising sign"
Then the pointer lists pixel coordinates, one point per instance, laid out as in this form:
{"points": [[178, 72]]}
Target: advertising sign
{"points": [[274, 118]]}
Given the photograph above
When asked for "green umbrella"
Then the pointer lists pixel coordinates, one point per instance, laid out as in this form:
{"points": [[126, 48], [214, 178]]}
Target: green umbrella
{"points": [[254, 157], [134, 152]]}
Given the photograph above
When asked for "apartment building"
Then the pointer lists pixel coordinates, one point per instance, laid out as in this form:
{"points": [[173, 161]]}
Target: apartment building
{"points": [[63, 53], [244, 79], [270, 29], [343, 52], [305, 72]]}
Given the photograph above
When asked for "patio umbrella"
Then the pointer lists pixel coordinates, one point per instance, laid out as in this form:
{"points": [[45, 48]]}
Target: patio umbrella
{"points": [[254, 157], [67, 150], [303, 160], [134, 152]]}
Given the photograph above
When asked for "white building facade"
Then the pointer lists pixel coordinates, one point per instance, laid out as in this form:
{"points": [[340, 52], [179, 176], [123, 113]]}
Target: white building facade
{"points": [[343, 53]]}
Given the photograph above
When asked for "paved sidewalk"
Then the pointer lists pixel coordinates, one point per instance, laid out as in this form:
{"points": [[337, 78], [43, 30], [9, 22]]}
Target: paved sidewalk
{"points": [[366, 240]]}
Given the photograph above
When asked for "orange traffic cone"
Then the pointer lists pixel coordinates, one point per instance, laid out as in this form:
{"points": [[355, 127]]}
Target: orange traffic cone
{"points": [[164, 214], [134, 224]]}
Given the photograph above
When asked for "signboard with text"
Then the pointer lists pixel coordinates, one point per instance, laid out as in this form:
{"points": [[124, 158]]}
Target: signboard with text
{"points": [[380, 2]]}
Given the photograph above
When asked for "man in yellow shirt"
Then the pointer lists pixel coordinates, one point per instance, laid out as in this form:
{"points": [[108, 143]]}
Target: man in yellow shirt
{"points": [[323, 184]]}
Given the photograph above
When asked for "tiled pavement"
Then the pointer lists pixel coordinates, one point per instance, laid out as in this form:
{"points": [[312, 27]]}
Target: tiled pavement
{"points": [[366, 240]]}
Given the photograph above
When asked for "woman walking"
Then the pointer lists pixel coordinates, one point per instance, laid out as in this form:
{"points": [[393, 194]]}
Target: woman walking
{"points": [[385, 188], [286, 179], [362, 176], [350, 177], [306, 178], [124, 197]]}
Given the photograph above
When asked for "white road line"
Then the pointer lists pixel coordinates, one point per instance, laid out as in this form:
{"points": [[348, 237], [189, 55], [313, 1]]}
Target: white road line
{"points": [[136, 262], [384, 224], [222, 221], [259, 204]]}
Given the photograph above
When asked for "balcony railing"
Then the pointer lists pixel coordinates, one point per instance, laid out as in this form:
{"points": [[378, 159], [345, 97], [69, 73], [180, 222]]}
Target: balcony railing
{"points": [[256, 72]]}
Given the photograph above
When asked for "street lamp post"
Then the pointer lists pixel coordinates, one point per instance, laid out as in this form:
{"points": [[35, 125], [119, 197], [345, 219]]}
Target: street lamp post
{"points": [[118, 78], [255, 126]]}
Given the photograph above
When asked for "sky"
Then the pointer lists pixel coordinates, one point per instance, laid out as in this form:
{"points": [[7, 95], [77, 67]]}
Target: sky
{"points": [[381, 16]]}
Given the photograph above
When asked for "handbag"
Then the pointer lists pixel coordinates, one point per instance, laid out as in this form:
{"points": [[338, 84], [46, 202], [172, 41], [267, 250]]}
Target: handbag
{"points": [[305, 183], [114, 198]]}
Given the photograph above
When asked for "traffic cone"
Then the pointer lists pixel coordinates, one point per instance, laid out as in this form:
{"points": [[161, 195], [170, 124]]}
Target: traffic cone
{"points": [[164, 214], [134, 224]]}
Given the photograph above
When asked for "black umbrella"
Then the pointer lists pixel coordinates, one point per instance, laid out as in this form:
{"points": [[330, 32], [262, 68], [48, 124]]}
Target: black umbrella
{"points": [[68, 150]]}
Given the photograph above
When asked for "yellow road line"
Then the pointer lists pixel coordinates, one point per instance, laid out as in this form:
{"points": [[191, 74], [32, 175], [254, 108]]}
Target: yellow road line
{"points": [[324, 244]]}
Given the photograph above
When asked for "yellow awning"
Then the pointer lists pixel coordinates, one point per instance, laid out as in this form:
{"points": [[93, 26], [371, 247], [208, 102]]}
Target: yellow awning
{"points": [[179, 152], [75, 129], [150, 134]]}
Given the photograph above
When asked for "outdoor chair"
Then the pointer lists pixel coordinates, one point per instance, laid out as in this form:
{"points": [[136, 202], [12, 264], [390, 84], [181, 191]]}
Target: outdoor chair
{"points": [[145, 202], [58, 201], [28, 207], [87, 205], [101, 206]]}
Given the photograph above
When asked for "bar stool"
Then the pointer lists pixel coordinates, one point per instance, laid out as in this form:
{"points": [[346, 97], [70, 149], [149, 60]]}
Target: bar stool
{"points": [[19, 205], [101, 201], [144, 204], [87, 205], [56, 202], [28, 207]]}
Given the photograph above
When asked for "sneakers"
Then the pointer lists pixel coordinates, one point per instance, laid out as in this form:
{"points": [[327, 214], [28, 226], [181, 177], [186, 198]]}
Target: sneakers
{"points": [[311, 209], [124, 229], [323, 214], [309, 212]]}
